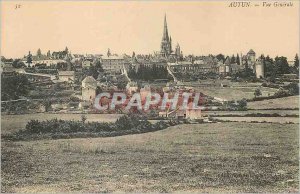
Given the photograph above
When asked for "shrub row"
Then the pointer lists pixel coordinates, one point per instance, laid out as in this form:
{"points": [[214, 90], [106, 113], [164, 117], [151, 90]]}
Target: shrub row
{"points": [[55, 128]]}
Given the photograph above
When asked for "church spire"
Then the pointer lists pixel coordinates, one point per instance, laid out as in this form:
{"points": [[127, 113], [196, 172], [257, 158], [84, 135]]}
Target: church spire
{"points": [[166, 43], [165, 34]]}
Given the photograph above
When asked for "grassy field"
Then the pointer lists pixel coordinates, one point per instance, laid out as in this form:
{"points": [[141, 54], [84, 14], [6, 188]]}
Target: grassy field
{"points": [[261, 119], [235, 93], [290, 102], [218, 157], [280, 112], [12, 123]]}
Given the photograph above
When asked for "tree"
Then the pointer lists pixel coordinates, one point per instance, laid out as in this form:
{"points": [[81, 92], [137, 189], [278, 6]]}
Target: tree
{"points": [[270, 70], [108, 52], [93, 72], [281, 93], [66, 50], [232, 60], [242, 104], [39, 53], [29, 59], [281, 65], [257, 92], [83, 118], [13, 87], [296, 61], [121, 85], [237, 60], [17, 63], [293, 88], [98, 66], [48, 53], [47, 104], [220, 57]]}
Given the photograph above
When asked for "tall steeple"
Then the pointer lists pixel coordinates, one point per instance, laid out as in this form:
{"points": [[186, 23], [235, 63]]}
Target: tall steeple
{"points": [[165, 33], [166, 48]]}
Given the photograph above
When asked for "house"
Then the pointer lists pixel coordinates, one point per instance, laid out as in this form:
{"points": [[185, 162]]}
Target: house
{"points": [[131, 87], [67, 76], [89, 80], [163, 114], [112, 63], [235, 68], [180, 66], [222, 70], [145, 91], [227, 66], [180, 114], [192, 113], [86, 63], [89, 87], [205, 65], [7, 69]]}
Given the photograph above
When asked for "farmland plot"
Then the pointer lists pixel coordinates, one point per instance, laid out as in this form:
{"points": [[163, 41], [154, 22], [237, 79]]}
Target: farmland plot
{"points": [[217, 157], [290, 102]]}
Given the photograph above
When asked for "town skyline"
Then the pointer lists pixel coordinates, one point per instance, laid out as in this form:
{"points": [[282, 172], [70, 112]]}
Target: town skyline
{"points": [[149, 96], [92, 35]]}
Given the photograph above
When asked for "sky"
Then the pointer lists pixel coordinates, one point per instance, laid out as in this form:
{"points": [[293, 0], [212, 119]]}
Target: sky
{"points": [[201, 28]]}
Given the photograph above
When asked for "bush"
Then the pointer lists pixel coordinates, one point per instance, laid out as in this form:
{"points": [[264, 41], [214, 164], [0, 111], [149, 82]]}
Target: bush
{"points": [[242, 104], [54, 128], [293, 88], [281, 93], [34, 126]]}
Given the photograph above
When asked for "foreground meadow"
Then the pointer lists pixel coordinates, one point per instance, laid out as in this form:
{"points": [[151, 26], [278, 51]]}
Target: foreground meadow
{"points": [[217, 157]]}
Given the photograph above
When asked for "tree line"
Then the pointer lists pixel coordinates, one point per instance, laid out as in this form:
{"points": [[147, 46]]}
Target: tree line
{"points": [[148, 73], [279, 66]]}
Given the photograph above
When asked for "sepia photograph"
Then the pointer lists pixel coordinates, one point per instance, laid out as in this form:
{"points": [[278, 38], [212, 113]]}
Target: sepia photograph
{"points": [[149, 96]]}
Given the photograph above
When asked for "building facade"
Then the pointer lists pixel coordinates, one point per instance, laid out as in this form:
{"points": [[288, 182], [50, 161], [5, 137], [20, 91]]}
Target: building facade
{"points": [[259, 68], [89, 87], [112, 64], [66, 76]]}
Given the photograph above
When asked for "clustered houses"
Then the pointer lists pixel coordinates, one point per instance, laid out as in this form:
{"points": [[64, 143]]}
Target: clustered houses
{"points": [[115, 66], [210, 64], [203, 65], [43, 60], [48, 59]]}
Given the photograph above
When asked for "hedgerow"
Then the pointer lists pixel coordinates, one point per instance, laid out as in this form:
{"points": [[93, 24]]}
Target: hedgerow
{"points": [[56, 128]]}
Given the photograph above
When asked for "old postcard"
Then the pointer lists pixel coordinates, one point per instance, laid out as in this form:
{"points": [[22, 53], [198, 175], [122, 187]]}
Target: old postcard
{"points": [[149, 96]]}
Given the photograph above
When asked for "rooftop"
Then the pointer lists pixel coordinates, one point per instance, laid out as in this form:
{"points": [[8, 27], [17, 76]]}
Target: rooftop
{"points": [[112, 57], [251, 52], [66, 73], [89, 79]]}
